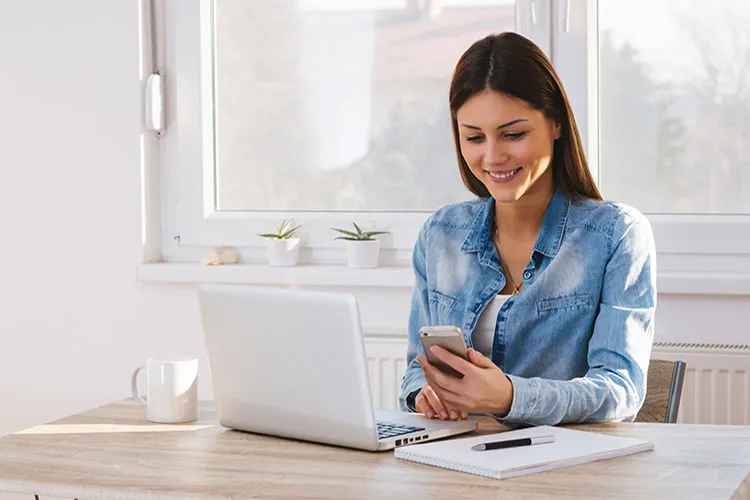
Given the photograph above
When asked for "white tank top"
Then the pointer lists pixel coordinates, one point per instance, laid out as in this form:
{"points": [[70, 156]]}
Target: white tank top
{"points": [[483, 335]]}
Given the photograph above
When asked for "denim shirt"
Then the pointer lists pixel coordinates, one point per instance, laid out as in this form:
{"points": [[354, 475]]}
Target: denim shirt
{"points": [[576, 341]]}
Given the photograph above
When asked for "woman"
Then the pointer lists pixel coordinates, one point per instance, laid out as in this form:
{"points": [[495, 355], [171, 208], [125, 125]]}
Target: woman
{"points": [[553, 288]]}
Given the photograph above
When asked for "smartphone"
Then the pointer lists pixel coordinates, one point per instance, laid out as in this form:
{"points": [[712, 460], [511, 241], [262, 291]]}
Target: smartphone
{"points": [[447, 337]]}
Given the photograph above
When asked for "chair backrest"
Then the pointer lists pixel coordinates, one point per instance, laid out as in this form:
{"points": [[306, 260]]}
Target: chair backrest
{"points": [[663, 391]]}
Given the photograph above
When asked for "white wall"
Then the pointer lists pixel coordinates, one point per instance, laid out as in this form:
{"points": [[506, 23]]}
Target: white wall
{"points": [[73, 320]]}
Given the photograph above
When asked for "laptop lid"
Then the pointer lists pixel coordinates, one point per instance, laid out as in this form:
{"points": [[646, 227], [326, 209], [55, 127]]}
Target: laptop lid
{"points": [[288, 363]]}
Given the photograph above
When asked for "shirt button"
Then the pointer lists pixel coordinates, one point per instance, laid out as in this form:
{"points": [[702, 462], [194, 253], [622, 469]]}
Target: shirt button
{"points": [[527, 275]]}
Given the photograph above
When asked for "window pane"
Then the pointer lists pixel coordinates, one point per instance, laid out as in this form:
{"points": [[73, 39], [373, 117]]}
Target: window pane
{"points": [[675, 105], [322, 108]]}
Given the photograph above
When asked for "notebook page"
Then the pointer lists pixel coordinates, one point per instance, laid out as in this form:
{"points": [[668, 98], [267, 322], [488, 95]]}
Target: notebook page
{"points": [[570, 447]]}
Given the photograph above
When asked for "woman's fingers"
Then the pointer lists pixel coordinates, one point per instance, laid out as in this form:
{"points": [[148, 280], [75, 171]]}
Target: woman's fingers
{"points": [[422, 404], [440, 410]]}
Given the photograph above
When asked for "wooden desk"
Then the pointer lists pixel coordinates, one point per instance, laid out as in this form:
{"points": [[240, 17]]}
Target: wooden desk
{"points": [[113, 452]]}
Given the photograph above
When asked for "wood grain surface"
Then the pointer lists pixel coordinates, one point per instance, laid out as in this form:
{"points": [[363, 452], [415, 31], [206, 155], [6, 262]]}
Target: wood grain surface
{"points": [[113, 452]]}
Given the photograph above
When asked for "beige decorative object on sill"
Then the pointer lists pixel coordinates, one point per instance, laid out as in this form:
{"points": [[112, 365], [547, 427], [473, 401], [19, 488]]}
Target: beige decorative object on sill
{"points": [[219, 256]]}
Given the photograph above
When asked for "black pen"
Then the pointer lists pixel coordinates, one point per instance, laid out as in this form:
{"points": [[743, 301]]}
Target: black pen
{"points": [[512, 443]]}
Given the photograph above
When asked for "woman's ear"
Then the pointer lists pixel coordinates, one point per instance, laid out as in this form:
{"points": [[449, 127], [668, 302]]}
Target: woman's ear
{"points": [[556, 130]]}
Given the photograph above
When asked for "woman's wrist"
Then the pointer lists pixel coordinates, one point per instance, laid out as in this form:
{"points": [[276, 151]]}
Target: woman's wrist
{"points": [[506, 398], [410, 400]]}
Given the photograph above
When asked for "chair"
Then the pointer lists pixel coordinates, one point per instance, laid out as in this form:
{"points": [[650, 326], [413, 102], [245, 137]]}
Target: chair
{"points": [[663, 391]]}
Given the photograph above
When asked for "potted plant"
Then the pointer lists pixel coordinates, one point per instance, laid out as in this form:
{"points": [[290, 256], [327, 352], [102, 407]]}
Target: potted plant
{"points": [[283, 246], [362, 250]]}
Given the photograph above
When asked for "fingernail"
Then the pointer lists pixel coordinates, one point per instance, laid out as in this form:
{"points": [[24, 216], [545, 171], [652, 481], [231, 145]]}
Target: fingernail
{"points": [[453, 415], [429, 414], [443, 415]]}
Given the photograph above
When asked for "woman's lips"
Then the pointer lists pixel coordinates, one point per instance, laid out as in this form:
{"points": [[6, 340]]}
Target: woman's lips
{"points": [[502, 177]]}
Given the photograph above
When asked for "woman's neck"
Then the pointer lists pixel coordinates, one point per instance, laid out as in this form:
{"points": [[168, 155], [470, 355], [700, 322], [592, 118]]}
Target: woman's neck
{"points": [[523, 218]]}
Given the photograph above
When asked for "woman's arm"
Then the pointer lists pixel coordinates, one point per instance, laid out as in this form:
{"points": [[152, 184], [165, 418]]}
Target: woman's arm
{"points": [[419, 315], [619, 349]]}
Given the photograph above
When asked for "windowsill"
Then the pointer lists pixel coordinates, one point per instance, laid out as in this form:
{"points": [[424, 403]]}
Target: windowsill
{"points": [[669, 283], [261, 274]]}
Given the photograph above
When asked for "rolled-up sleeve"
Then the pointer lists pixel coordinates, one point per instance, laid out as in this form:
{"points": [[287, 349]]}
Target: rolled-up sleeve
{"points": [[619, 349], [419, 316]]}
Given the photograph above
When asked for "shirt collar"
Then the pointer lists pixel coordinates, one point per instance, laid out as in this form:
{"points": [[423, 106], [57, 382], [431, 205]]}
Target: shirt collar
{"points": [[550, 234]]}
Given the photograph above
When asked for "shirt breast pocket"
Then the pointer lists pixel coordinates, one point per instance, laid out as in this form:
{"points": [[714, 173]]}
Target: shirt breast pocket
{"points": [[442, 307], [577, 302]]}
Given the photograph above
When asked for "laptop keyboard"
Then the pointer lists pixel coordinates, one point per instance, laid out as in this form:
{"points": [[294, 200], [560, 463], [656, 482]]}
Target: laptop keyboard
{"points": [[386, 430]]}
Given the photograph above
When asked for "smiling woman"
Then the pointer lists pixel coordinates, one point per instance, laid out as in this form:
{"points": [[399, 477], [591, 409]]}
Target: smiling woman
{"points": [[519, 150], [553, 288], [511, 120]]}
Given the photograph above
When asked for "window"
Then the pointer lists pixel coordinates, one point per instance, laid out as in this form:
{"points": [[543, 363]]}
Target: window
{"points": [[317, 110], [658, 91], [329, 113], [675, 105], [319, 107]]}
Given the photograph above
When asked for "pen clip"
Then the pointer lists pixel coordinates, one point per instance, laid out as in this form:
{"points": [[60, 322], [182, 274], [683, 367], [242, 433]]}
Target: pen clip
{"points": [[543, 439], [512, 443]]}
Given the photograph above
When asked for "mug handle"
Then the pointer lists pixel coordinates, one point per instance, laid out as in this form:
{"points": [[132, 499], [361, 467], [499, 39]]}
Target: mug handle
{"points": [[134, 386]]}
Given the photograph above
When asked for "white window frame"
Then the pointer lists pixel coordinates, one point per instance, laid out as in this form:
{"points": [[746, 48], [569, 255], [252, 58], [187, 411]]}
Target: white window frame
{"points": [[694, 250], [191, 224], [686, 244]]}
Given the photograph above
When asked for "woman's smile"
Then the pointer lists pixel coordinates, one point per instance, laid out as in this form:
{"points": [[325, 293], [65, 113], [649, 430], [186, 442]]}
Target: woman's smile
{"points": [[503, 176]]}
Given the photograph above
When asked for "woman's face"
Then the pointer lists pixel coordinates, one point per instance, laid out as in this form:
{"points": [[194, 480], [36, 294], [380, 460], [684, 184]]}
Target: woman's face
{"points": [[507, 144]]}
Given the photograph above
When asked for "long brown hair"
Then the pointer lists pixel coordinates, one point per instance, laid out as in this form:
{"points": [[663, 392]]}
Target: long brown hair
{"points": [[513, 65]]}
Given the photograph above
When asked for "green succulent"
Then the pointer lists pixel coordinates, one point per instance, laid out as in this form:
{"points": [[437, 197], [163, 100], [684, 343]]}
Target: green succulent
{"points": [[286, 230], [359, 235]]}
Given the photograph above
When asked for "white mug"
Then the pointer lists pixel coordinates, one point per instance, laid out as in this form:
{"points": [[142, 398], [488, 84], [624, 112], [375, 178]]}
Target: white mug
{"points": [[171, 390]]}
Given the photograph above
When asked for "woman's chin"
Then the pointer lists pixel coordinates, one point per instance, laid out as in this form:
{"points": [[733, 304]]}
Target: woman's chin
{"points": [[507, 194]]}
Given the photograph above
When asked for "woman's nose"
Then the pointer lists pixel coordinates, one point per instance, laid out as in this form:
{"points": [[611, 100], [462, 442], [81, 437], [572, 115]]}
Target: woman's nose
{"points": [[496, 153]]}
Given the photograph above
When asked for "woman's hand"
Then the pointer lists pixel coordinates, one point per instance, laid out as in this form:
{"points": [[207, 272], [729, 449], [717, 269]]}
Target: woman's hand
{"points": [[484, 387], [428, 403]]}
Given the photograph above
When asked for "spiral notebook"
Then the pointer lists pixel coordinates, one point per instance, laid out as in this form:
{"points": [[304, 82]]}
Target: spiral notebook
{"points": [[571, 447]]}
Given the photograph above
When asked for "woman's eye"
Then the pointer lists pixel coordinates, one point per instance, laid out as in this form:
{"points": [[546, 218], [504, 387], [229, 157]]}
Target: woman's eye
{"points": [[475, 138], [514, 136]]}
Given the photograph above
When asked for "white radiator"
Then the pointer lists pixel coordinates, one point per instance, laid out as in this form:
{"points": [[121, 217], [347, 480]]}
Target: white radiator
{"points": [[717, 382], [716, 388], [386, 363]]}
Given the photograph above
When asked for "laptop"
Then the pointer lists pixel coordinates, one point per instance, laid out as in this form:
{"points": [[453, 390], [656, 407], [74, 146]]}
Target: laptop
{"points": [[291, 363]]}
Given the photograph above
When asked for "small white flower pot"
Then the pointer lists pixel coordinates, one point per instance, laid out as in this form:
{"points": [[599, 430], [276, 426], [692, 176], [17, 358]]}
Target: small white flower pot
{"points": [[283, 253], [363, 254]]}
